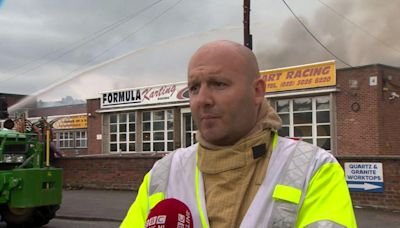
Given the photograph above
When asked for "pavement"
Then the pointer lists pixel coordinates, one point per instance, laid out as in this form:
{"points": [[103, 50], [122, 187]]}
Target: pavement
{"points": [[112, 205], [106, 205]]}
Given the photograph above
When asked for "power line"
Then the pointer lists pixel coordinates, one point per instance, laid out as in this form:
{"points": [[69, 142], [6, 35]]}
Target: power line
{"points": [[359, 27], [79, 43], [314, 37], [120, 41]]}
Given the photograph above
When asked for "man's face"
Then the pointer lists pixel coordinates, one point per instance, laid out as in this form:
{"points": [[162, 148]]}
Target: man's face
{"points": [[222, 97]]}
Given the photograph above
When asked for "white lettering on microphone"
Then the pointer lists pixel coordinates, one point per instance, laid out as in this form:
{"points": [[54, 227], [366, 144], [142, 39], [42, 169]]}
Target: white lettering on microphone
{"points": [[161, 219], [156, 221], [153, 221], [188, 217], [181, 218]]}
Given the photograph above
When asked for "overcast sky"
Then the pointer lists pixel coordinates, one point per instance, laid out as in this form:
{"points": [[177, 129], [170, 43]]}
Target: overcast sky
{"points": [[81, 48]]}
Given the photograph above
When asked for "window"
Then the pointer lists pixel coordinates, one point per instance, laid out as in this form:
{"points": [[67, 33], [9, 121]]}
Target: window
{"points": [[122, 132], [189, 130], [71, 139], [158, 130], [80, 139], [306, 118]]}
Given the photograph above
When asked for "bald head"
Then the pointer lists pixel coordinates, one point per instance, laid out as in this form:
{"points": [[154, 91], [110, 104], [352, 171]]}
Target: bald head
{"points": [[227, 53]]}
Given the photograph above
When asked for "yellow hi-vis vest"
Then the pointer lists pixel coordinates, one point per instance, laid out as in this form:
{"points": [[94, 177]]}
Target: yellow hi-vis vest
{"points": [[304, 187]]}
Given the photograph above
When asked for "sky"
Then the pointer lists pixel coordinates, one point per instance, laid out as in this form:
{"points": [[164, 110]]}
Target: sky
{"points": [[53, 49]]}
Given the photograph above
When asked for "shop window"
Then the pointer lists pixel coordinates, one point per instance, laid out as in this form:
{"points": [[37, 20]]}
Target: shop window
{"points": [[122, 132], [157, 130], [71, 139], [189, 129], [80, 139], [306, 118]]}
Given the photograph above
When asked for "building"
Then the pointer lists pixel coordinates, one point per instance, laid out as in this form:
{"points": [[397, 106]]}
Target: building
{"points": [[352, 112]]}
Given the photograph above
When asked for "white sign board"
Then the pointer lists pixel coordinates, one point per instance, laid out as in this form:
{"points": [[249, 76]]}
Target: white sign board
{"points": [[364, 176], [146, 95]]}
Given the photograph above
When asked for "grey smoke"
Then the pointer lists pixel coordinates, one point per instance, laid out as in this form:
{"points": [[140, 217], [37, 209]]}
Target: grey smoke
{"points": [[160, 51], [368, 34]]}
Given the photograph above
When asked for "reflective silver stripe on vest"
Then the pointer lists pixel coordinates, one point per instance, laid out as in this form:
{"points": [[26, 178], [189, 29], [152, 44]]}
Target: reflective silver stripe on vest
{"points": [[159, 184], [284, 213], [325, 224]]}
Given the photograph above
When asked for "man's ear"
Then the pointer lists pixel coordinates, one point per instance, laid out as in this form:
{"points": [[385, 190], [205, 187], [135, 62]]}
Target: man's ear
{"points": [[259, 88]]}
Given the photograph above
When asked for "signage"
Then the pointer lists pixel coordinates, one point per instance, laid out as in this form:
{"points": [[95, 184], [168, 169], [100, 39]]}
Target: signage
{"points": [[300, 77], [71, 122], [364, 176], [282, 79], [146, 95]]}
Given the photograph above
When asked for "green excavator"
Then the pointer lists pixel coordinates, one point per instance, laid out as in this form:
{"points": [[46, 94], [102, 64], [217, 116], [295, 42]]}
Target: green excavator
{"points": [[30, 188]]}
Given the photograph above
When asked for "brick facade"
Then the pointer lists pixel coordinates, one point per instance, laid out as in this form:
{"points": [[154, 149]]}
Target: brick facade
{"points": [[58, 110], [127, 172], [372, 132], [368, 121], [94, 126], [389, 121], [13, 99], [390, 197], [106, 172]]}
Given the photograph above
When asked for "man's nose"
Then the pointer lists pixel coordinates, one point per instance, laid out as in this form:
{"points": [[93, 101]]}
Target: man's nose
{"points": [[205, 96]]}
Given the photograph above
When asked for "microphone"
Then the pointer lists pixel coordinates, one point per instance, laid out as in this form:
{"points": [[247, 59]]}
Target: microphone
{"points": [[170, 213]]}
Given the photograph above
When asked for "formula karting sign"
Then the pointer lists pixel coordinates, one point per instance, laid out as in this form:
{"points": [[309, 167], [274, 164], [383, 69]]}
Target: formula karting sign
{"points": [[300, 77], [145, 95], [364, 176]]}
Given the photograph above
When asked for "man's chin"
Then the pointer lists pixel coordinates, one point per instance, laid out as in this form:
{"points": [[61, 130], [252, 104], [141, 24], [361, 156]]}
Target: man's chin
{"points": [[213, 138]]}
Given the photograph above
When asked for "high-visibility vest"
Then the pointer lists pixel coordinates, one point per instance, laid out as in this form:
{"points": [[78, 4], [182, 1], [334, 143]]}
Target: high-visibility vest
{"points": [[304, 187]]}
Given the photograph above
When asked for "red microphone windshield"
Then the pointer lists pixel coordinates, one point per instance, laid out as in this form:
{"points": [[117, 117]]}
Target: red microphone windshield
{"points": [[170, 213]]}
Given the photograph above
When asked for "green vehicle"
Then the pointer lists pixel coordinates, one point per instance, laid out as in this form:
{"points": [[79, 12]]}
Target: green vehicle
{"points": [[30, 190]]}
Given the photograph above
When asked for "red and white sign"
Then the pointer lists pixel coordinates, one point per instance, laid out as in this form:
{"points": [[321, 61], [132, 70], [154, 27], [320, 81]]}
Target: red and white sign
{"points": [[145, 95]]}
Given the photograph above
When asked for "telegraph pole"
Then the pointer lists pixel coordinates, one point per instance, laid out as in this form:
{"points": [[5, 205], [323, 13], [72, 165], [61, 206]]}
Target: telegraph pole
{"points": [[248, 41]]}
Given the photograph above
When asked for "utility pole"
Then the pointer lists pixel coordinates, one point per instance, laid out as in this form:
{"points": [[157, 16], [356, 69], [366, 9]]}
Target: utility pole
{"points": [[3, 108], [248, 41]]}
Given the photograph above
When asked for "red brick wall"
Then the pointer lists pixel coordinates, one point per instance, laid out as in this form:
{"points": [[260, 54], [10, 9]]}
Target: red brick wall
{"points": [[389, 122], [73, 152], [59, 110], [127, 172], [94, 126], [357, 131], [12, 99], [106, 172], [375, 128], [390, 198]]}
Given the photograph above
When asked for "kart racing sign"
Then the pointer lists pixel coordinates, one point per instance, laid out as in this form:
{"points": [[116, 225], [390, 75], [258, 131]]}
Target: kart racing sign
{"points": [[364, 176], [300, 77]]}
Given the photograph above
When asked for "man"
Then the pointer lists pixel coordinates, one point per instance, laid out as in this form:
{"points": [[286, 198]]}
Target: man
{"points": [[241, 174]]}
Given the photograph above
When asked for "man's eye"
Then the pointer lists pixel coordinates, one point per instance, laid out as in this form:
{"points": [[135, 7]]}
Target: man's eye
{"points": [[193, 89], [220, 85]]}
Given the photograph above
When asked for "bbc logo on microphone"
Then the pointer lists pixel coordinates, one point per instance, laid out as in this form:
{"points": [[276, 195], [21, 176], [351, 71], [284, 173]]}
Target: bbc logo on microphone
{"points": [[170, 213], [156, 220], [161, 219], [181, 221]]}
